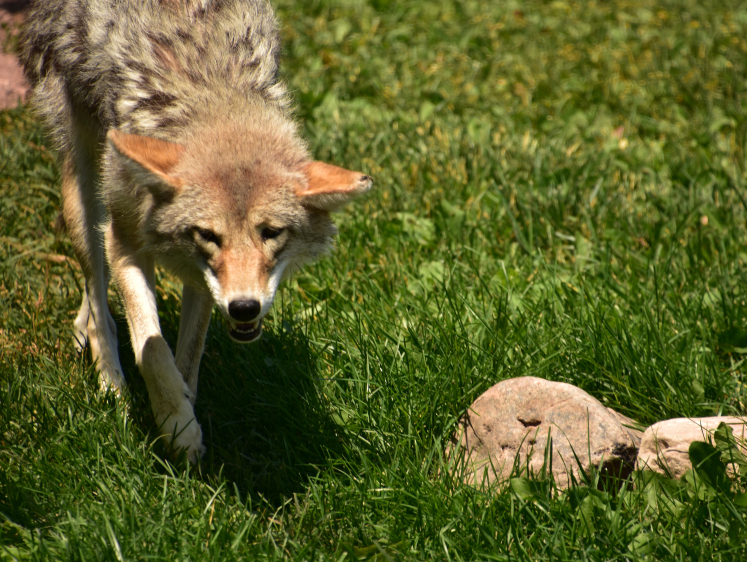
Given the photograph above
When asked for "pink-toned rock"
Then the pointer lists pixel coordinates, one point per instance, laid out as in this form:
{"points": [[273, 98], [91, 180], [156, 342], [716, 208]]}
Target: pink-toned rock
{"points": [[512, 421], [665, 445], [630, 426], [13, 85]]}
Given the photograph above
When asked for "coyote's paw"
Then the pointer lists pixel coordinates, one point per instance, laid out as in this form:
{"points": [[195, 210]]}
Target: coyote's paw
{"points": [[190, 441], [80, 333], [183, 434], [111, 375], [111, 379]]}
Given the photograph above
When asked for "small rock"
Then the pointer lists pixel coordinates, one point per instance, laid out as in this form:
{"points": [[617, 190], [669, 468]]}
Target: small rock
{"points": [[665, 445], [513, 418]]}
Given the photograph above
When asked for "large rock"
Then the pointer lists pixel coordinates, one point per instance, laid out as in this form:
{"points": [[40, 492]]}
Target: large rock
{"points": [[665, 445], [630, 426], [511, 423]]}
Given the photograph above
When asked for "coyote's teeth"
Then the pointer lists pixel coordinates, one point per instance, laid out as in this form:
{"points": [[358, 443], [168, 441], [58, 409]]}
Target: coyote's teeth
{"points": [[245, 332]]}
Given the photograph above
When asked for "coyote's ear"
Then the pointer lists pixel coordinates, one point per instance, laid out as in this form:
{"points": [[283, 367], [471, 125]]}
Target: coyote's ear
{"points": [[149, 161], [328, 187]]}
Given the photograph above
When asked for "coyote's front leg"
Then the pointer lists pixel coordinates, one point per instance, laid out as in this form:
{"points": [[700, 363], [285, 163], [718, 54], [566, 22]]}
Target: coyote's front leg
{"points": [[197, 307], [170, 397], [94, 325]]}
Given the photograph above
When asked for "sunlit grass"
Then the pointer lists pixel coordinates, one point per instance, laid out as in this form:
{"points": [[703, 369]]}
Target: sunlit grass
{"points": [[560, 192]]}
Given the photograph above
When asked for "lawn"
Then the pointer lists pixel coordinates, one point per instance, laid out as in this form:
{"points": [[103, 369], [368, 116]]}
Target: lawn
{"points": [[560, 191]]}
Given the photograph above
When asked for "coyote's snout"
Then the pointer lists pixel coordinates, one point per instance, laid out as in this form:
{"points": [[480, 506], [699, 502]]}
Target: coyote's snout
{"points": [[177, 147]]}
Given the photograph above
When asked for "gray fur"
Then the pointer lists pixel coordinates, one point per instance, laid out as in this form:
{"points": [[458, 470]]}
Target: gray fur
{"points": [[149, 66]]}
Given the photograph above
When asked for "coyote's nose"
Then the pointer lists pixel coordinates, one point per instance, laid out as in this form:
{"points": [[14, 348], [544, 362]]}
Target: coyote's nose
{"points": [[244, 311]]}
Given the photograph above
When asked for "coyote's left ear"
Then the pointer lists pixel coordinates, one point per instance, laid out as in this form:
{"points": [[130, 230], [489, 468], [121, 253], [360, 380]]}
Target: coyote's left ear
{"points": [[150, 162], [328, 187]]}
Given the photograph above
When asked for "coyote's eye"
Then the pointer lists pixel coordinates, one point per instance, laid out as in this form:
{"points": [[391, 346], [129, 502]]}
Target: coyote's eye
{"points": [[208, 235], [268, 233]]}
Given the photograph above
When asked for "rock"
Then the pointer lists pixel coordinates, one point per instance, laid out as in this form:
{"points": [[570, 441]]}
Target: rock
{"points": [[665, 445], [630, 426], [13, 85], [511, 422]]}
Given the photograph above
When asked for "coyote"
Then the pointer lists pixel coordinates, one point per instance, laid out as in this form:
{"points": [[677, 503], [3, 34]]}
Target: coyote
{"points": [[177, 145]]}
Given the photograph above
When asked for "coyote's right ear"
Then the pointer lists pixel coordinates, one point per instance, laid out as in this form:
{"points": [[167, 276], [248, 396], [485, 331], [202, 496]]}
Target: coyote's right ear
{"points": [[149, 161]]}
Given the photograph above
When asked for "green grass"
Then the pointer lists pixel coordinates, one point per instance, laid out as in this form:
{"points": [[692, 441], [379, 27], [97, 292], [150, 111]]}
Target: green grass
{"points": [[560, 192]]}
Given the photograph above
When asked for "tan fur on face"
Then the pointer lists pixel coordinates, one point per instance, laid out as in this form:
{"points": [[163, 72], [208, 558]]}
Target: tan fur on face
{"points": [[239, 270]]}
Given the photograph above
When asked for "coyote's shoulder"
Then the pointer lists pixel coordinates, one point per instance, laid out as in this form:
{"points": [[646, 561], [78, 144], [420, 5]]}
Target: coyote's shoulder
{"points": [[146, 66]]}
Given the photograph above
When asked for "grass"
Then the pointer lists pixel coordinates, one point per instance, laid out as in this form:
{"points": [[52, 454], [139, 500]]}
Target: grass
{"points": [[560, 192]]}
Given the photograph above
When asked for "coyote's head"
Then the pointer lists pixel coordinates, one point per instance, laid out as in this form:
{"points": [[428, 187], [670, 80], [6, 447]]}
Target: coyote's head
{"points": [[230, 210]]}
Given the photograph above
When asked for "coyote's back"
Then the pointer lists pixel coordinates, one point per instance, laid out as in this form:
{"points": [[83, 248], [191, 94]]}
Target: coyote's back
{"points": [[148, 65]]}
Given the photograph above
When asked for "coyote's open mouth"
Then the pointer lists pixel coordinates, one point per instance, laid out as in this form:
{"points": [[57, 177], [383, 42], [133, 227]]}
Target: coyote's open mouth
{"points": [[245, 332]]}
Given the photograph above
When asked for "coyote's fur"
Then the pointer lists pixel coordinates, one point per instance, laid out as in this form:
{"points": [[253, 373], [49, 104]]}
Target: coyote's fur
{"points": [[177, 146]]}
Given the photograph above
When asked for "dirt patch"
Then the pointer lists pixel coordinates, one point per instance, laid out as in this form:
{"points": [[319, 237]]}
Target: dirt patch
{"points": [[13, 86]]}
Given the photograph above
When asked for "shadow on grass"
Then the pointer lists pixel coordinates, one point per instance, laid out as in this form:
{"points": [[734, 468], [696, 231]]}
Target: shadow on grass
{"points": [[265, 425]]}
